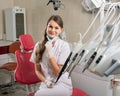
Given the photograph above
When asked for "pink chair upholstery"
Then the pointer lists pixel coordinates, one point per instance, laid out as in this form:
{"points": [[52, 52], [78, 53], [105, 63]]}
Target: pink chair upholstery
{"points": [[79, 92], [25, 71]]}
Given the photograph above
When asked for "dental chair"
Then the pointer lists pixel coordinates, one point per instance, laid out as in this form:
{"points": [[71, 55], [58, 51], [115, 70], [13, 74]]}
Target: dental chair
{"points": [[25, 71]]}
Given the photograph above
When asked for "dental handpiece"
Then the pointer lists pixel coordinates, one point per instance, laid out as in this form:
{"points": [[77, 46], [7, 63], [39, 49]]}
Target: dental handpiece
{"points": [[99, 59], [64, 66], [112, 68], [74, 58], [90, 61], [79, 58]]}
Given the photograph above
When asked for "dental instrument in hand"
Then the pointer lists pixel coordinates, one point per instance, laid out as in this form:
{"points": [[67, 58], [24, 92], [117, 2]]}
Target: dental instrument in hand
{"points": [[64, 67]]}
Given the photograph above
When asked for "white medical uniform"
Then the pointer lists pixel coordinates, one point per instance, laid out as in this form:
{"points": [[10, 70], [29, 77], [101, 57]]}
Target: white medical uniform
{"points": [[63, 87]]}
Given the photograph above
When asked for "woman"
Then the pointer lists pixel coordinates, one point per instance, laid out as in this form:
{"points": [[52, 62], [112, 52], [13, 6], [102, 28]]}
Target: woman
{"points": [[50, 55]]}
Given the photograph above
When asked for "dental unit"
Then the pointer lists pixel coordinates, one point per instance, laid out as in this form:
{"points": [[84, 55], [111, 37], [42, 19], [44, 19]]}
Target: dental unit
{"points": [[92, 54], [96, 60], [99, 67], [102, 54]]}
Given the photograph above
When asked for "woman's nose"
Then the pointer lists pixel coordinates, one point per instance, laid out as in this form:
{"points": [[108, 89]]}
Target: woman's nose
{"points": [[53, 30]]}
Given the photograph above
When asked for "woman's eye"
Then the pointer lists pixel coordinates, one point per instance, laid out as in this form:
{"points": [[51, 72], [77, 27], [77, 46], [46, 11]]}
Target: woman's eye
{"points": [[56, 28], [50, 26]]}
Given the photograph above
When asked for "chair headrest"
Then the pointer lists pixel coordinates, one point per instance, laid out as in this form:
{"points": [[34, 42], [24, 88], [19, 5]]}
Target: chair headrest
{"points": [[14, 46], [27, 42]]}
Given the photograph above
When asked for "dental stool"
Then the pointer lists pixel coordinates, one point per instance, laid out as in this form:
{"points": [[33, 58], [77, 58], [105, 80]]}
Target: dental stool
{"points": [[25, 70]]}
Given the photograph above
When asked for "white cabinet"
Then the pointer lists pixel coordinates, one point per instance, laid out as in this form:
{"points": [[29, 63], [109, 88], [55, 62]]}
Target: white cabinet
{"points": [[4, 58], [15, 23]]}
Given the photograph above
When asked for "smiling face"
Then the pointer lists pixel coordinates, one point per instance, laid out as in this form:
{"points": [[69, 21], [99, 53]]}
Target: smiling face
{"points": [[53, 29]]}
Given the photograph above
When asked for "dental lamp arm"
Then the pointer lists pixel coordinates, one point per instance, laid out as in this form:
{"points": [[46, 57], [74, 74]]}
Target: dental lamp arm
{"points": [[49, 2]]}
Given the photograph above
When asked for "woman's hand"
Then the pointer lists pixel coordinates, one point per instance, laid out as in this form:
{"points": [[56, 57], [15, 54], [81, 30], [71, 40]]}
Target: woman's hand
{"points": [[48, 46], [48, 83]]}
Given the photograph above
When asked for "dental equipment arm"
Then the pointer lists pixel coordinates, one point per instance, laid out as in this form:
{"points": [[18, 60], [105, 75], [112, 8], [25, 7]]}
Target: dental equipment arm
{"points": [[70, 70], [112, 30], [64, 66], [102, 54], [91, 59], [105, 21]]}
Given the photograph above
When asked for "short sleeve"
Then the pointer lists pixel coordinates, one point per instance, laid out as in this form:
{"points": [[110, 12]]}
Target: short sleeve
{"points": [[33, 53], [65, 51]]}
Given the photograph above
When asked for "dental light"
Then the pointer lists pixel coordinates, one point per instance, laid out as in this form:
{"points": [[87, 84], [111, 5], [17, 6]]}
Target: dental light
{"points": [[56, 4], [90, 5]]}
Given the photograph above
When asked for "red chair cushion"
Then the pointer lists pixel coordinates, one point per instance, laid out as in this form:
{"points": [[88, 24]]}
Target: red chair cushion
{"points": [[79, 92]]}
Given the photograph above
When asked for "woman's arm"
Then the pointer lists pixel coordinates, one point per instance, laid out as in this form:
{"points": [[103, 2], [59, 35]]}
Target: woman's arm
{"points": [[38, 72], [56, 67], [48, 83]]}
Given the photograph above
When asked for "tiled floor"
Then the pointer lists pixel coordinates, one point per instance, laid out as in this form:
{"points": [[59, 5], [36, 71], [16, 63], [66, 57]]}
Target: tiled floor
{"points": [[16, 89]]}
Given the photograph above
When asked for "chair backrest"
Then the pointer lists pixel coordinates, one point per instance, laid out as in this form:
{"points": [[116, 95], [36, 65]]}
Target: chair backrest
{"points": [[25, 70], [14, 46]]}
